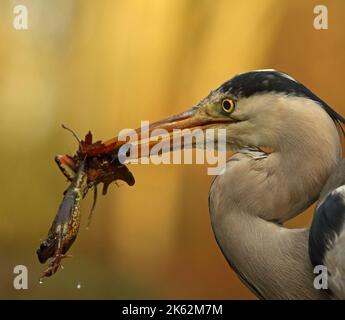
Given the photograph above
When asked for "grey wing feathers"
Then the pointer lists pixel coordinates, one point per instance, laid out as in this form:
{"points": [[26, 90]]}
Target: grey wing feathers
{"points": [[327, 239]]}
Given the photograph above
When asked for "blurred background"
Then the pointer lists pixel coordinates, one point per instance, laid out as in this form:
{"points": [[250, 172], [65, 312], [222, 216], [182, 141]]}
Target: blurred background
{"points": [[107, 65]]}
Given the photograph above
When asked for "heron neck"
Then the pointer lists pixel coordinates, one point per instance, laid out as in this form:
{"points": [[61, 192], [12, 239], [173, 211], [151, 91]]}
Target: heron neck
{"points": [[272, 261], [258, 192]]}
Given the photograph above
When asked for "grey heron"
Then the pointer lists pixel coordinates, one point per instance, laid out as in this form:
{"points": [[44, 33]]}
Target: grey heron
{"points": [[287, 155]]}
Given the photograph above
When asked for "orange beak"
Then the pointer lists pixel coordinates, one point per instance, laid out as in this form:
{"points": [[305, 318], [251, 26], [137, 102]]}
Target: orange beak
{"points": [[194, 118]]}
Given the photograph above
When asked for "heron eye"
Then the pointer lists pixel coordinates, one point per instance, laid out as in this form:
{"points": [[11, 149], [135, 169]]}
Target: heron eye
{"points": [[228, 105]]}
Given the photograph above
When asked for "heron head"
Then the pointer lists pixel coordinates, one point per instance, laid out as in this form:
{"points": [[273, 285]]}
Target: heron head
{"points": [[262, 108]]}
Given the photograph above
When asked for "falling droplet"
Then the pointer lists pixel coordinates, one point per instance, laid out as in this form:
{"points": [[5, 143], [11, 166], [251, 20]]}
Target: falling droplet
{"points": [[41, 281], [78, 285]]}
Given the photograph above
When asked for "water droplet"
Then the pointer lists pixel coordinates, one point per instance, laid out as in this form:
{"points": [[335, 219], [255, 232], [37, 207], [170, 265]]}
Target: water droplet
{"points": [[78, 285], [41, 281]]}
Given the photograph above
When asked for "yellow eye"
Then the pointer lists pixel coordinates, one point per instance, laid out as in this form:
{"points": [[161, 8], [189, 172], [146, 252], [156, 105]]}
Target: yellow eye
{"points": [[228, 105]]}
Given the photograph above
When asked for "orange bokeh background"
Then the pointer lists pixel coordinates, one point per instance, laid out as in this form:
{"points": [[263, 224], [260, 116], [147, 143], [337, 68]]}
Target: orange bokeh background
{"points": [[105, 66]]}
